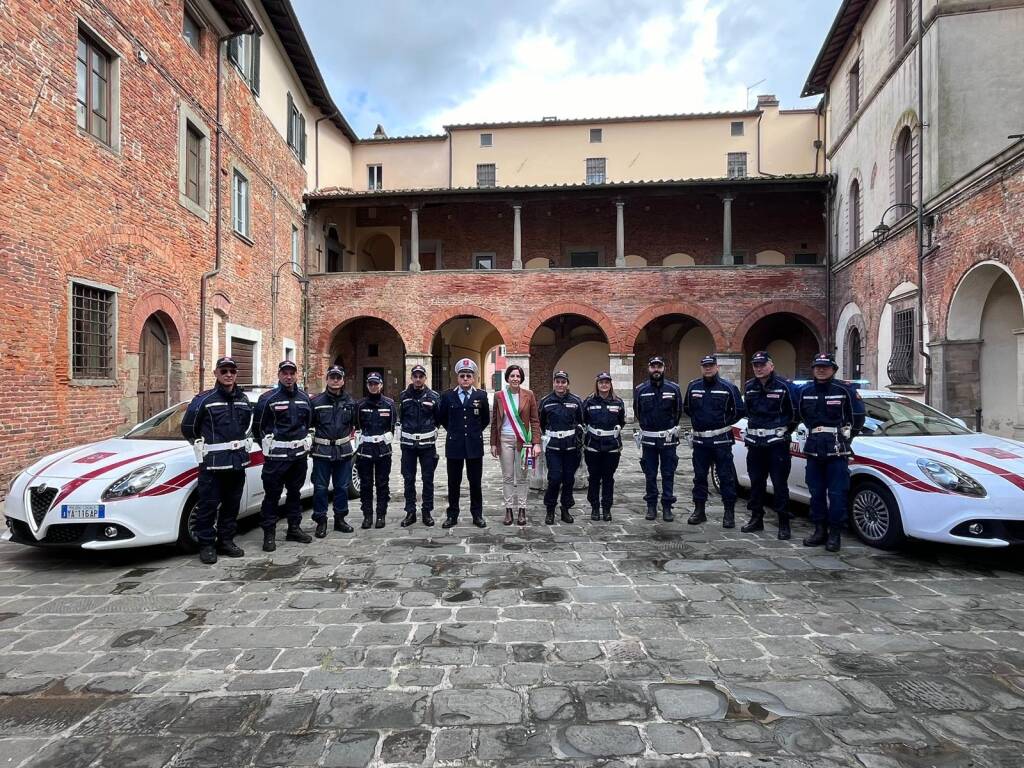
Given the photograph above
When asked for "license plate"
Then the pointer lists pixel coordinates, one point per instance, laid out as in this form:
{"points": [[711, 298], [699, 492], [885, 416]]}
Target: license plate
{"points": [[82, 511]]}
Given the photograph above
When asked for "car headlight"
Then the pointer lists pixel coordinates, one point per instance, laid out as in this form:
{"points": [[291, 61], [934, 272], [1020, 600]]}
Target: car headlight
{"points": [[950, 478], [135, 482]]}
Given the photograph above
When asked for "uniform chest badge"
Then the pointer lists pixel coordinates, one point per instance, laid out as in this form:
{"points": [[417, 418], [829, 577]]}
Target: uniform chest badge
{"points": [[613, 409], [833, 402], [280, 406]]}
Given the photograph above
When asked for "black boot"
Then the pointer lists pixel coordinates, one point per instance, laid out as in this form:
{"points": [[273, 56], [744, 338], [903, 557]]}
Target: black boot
{"points": [[295, 533], [509, 517], [521, 517], [595, 514], [549, 516], [784, 533], [208, 554], [566, 517], [606, 515], [341, 525], [729, 518], [652, 512], [230, 549], [699, 515], [834, 542], [666, 513], [321, 529], [367, 522], [817, 538], [450, 522], [428, 519], [478, 521], [755, 523], [269, 543], [379, 522], [409, 519]]}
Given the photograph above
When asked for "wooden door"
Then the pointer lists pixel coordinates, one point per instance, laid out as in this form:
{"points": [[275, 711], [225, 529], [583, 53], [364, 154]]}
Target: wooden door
{"points": [[243, 351], [154, 365]]}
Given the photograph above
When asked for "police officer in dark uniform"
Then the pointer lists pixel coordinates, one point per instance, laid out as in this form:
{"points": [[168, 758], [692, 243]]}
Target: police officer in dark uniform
{"points": [[561, 417], [334, 416], [713, 405], [419, 410], [376, 417], [217, 423], [833, 413], [282, 423], [658, 404], [465, 414], [771, 419], [604, 416]]}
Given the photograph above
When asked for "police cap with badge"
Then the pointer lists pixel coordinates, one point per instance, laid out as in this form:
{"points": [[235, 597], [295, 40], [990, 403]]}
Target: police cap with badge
{"points": [[418, 369], [286, 364], [226, 362], [760, 358], [465, 365], [336, 370], [708, 360], [374, 378], [823, 359]]}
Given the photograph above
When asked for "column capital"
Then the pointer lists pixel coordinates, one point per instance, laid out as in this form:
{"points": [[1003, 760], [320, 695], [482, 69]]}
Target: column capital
{"points": [[727, 197], [619, 203]]}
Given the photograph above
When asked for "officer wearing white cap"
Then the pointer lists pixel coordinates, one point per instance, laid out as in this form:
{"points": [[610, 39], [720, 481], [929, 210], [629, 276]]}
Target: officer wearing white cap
{"points": [[833, 413], [771, 419], [658, 404], [713, 405], [561, 418], [217, 424], [464, 413], [283, 419], [418, 413], [334, 417], [375, 419]]}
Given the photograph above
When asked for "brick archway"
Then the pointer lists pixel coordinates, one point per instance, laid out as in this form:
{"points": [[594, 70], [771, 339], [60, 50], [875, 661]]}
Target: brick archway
{"points": [[697, 312], [166, 308], [443, 316], [815, 320], [327, 334], [604, 323]]}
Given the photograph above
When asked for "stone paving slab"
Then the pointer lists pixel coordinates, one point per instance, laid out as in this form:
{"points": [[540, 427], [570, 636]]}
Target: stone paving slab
{"points": [[628, 644]]}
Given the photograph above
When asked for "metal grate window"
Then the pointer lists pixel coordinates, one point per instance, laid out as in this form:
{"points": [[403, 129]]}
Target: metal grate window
{"points": [[901, 364], [92, 332], [595, 170], [737, 165], [485, 175]]}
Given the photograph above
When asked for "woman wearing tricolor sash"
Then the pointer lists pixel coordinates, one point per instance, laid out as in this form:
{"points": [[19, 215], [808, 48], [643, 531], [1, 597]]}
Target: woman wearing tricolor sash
{"points": [[515, 440]]}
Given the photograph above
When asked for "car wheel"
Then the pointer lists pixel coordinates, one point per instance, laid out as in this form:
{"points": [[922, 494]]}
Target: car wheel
{"points": [[353, 486], [187, 541], [876, 516]]}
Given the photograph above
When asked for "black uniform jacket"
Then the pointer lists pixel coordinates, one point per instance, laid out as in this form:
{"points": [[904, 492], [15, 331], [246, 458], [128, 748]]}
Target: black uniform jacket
{"points": [[561, 414], [334, 418], [465, 424], [218, 416], [603, 414]]}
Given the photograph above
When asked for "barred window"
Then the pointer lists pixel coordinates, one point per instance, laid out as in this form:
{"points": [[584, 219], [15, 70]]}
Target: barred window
{"points": [[901, 363], [486, 139], [595, 170], [92, 332], [737, 165], [485, 175]]}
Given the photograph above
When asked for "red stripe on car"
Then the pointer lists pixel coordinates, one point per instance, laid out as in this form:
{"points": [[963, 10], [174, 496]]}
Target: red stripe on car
{"points": [[1008, 476], [80, 481]]}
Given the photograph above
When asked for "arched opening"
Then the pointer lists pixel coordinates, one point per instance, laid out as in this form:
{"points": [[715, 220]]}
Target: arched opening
{"points": [[465, 336], [377, 254], [366, 345], [788, 338], [986, 361], [678, 260], [769, 257], [632, 260], [854, 354], [154, 368], [538, 262], [680, 339], [570, 342]]}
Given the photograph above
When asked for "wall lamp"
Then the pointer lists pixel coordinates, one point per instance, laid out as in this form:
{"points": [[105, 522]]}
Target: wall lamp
{"points": [[881, 232]]}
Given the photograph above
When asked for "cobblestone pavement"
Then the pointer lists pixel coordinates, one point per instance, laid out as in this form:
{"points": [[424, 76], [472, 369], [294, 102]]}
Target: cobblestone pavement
{"points": [[602, 644]]}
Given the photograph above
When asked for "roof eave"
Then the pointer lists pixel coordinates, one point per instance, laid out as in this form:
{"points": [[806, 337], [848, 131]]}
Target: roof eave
{"points": [[843, 24]]}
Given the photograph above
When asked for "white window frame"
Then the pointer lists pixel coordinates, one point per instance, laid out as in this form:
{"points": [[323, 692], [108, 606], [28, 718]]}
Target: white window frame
{"points": [[596, 135], [231, 330], [375, 176], [296, 250], [486, 139], [592, 179], [480, 166], [729, 162], [241, 224], [288, 346]]}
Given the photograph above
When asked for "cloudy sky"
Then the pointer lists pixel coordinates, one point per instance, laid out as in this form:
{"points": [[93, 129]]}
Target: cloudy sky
{"points": [[417, 65]]}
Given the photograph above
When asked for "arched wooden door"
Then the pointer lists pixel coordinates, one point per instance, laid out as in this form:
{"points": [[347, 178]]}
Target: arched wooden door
{"points": [[154, 362]]}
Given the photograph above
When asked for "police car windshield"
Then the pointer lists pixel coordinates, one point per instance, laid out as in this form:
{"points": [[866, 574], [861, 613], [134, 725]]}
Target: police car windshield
{"points": [[166, 425], [900, 416]]}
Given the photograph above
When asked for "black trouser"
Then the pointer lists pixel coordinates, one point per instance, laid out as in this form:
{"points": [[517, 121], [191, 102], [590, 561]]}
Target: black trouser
{"points": [[282, 475], [562, 466], [650, 457], [764, 461], [426, 457], [721, 456], [221, 488], [474, 471], [601, 466], [374, 472]]}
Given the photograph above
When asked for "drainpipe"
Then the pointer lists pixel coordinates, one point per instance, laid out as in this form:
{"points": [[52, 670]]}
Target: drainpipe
{"points": [[920, 209], [216, 208], [829, 342], [316, 149]]}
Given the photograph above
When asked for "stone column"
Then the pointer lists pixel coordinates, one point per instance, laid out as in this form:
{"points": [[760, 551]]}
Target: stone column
{"points": [[620, 235], [427, 361], [727, 229], [730, 366], [620, 368], [523, 361], [414, 240], [517, 238], [1018, 426]]}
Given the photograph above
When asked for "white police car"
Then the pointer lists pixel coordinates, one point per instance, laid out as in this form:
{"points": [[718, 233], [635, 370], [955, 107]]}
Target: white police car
{"points": [[921, 474], [130, 491]]}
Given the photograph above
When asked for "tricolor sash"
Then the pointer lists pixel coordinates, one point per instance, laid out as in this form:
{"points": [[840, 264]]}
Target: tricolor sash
{"points": [[521, 431]]}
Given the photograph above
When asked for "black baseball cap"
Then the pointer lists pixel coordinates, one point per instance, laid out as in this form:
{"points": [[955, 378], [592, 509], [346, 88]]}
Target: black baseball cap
{"points": [[287, 364], [374, 378], [656, 360], [603, 376], [824, 359], [419, 369], [560, 375], [761, 357], [335, 370], [226, 362], [708, 360]]}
